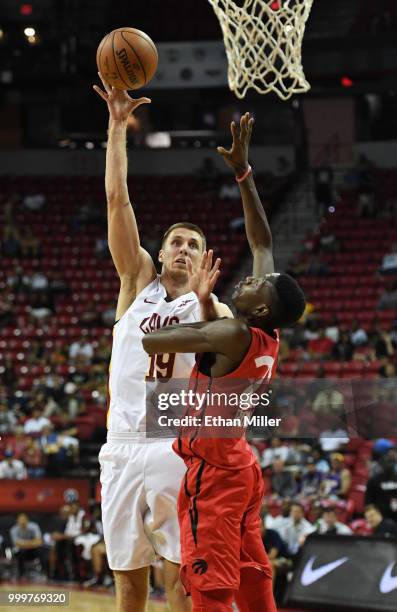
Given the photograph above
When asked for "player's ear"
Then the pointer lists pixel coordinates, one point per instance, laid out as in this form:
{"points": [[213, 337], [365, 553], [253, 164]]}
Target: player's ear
{"points": [[261, 311], [161, 256]]}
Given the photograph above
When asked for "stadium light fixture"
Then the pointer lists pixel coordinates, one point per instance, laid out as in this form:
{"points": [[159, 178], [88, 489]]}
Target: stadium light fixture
{"points": [[29, 32]]}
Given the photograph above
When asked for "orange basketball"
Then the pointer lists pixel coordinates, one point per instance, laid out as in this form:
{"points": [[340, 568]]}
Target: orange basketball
{"points": [[127, 58]]}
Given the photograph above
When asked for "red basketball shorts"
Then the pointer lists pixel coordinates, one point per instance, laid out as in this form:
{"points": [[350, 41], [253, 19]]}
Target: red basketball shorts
{"points": [[219, 521]]}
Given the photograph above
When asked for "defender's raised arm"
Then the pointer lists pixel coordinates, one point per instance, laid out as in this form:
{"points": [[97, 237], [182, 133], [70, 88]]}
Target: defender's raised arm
{"points": [[256, 225]]}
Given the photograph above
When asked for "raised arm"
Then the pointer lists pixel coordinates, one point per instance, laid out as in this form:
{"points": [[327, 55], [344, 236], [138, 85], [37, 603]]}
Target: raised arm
{"points": [[202, 281], [256, 225], [229, 337], [133, 264]]}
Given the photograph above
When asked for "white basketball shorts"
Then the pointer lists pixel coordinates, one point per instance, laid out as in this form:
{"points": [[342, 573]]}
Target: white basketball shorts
{"points": [[140, 481]]}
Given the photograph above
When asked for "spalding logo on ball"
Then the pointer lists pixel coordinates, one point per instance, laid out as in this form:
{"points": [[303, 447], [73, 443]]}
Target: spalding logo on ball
{"points": [[127, 58]]}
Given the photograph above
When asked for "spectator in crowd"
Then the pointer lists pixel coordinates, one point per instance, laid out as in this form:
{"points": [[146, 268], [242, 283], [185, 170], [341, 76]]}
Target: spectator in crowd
{"points": [[277, 450], [65, 549], [33, 458], [328, 242], [321, 347], [389, 262], [87, 540], [38, 281], [296, 529], [27, 542], [11, 245], [333, 439], [276, 551], [81, 350], [322, 464], [102, 351], [316, 266], [379, 525], [281, 520], [12, 468], [34, 202], [109, 315], [388, 370], [282, 481], [343, 348], [36, 423], [311, 481], [358, 335], [337, 483], [90, 317], [382, 488], [55, 533], [30, 244], [229, 190], [57, 285], [323, 189], [332, 330], [7, 317], [330, 525], [58, 450], [382, 341], [17, 443], [18, 281], [328, 401], [8, 420], [388, 298]]}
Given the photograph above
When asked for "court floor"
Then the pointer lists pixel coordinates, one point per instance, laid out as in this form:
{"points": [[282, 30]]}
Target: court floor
{"points": [[79, 599]]}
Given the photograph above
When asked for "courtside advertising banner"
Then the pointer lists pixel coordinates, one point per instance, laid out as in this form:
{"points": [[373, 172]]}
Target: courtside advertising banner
{"points": [[346, 573]]}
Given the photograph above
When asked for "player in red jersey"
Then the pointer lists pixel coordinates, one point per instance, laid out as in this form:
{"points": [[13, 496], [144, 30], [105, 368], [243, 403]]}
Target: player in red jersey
{"points": [[223, 558]]}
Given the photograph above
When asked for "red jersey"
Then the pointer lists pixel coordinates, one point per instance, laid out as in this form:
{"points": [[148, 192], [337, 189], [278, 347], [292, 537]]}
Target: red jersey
{"points": [[225, 446]]}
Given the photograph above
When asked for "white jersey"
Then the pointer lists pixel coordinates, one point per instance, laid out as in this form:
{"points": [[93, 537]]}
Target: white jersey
{"points": [[131, 367]]}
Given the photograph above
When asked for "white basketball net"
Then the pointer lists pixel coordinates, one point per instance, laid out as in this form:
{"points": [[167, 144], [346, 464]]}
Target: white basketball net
{"points": [[263, 40]]}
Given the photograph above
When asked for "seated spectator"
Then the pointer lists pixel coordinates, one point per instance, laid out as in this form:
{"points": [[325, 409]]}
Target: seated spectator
{"points": [[90, 317], [7, 317], [18, 281], [343, 348], [109, 316], [321, 463], [57, 285], [382, 341], [332, 330], [296, 529], [388, 298], [102, 352], [380, 526], [33, 458], [366, 202], [277, 450], [87, 540], [382, 488], [321, 347], [36, 423], [278, 522], [333, 439], [58, 451], [328, 400], [34, 201], [282, 481], [329, 523], [27, 542], [316, 266], [30, 244], [39, 315], [56, 533], [358, 335], [389, 262], [81, 350], [337, 483], [311, 480], [277, 552], [229, 190], [12, 468], [364, 352], [328, 242], [17, 443], [10, 245], [8, 420], [388, 370]]}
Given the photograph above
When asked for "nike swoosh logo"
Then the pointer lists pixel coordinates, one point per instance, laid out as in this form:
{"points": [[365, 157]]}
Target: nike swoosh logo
{"points": [[310, 575], [149, 301], [388, 582]]}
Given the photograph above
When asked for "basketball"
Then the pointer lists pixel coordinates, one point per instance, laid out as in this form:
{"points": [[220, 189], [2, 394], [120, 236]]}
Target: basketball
{"points": [[127, 58]]}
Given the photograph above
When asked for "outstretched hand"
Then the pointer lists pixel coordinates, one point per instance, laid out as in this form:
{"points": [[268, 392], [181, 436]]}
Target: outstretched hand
{"points": [[237, 156], [120, 104], [203, 280]]}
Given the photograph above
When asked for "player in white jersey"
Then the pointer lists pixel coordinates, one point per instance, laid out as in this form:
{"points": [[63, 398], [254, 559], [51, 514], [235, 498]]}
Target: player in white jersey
{"points": [[140, 478]]}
